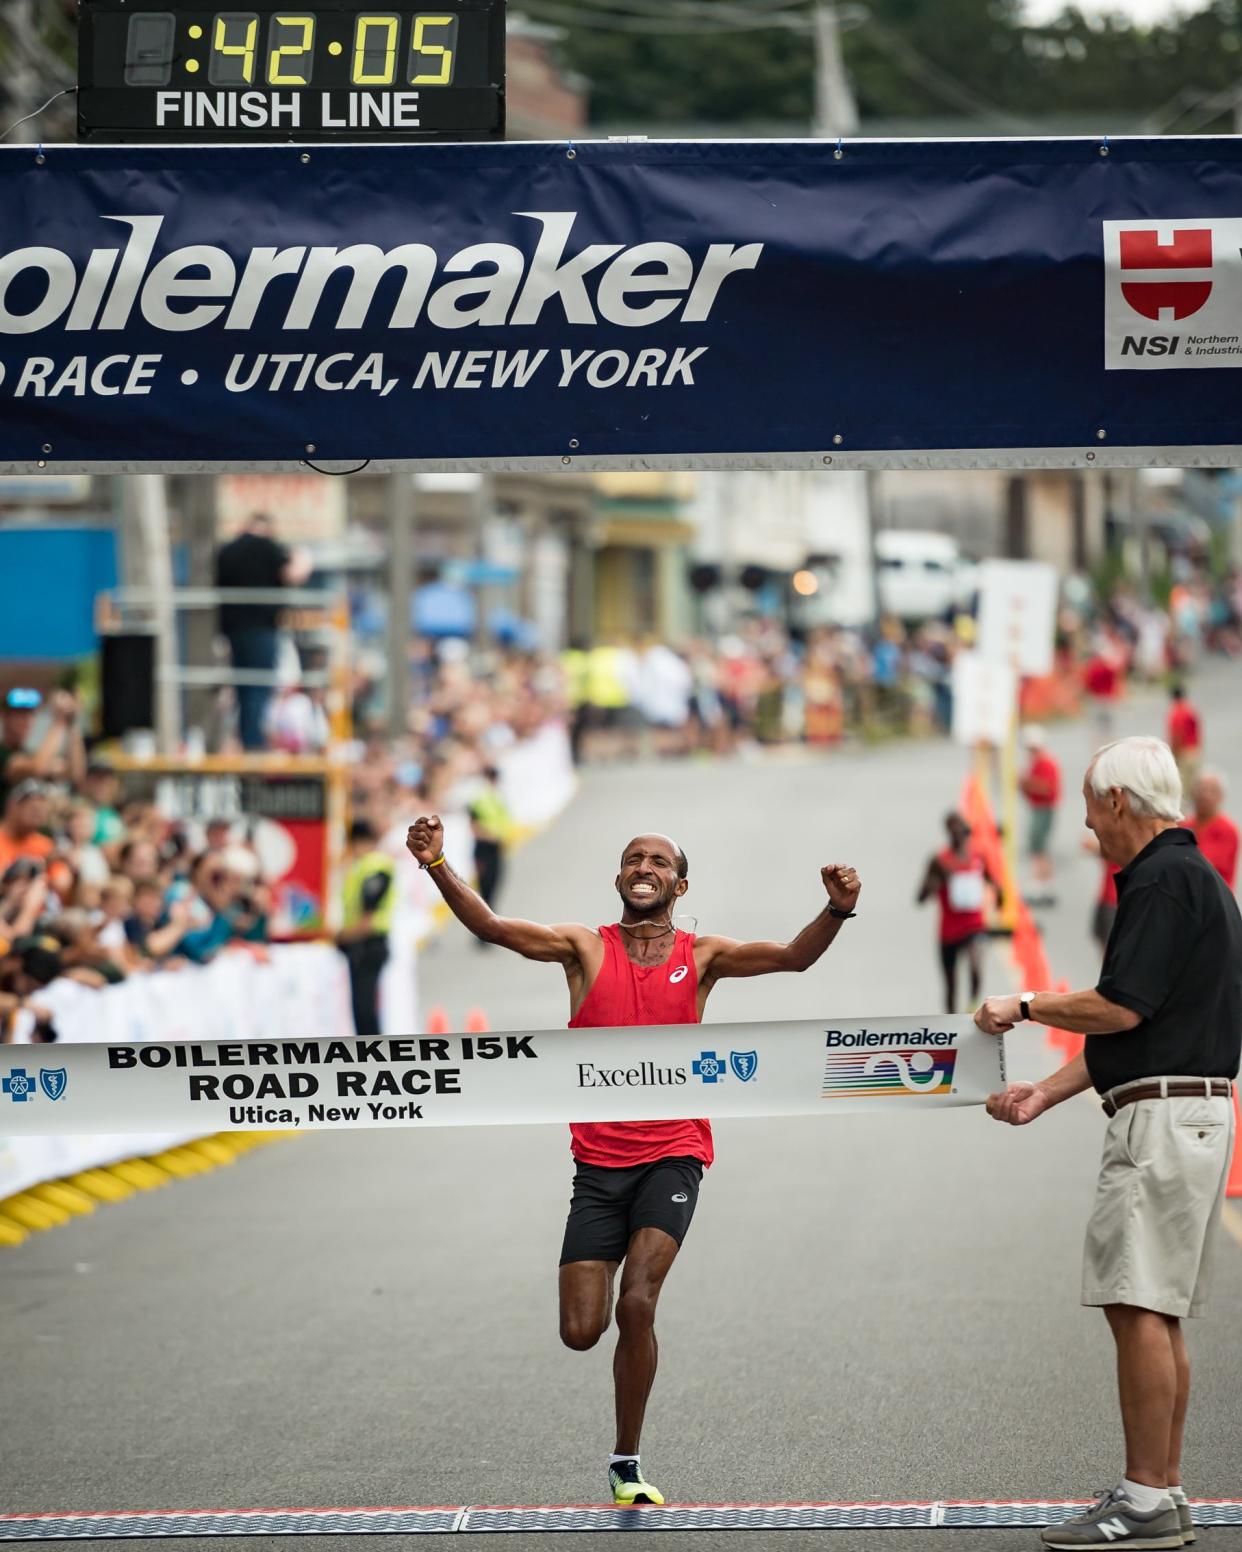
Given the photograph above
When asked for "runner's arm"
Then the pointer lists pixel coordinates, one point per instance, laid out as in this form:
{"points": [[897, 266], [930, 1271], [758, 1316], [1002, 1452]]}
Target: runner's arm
{"points": [[932, 881], [729, 958], [560, 944]]}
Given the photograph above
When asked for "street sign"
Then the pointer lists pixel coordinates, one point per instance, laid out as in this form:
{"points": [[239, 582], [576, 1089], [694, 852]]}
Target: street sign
{"points": [[1018, 614], [344, 70]]}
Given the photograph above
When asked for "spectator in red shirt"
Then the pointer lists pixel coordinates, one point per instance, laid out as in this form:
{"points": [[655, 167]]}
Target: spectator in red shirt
{"points": [[1185, 734], [1041, 787], [1103, 678], [1216, 832]]}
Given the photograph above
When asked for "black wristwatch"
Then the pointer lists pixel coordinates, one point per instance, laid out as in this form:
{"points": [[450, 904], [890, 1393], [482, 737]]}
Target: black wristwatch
{"points": [[839, 914]]}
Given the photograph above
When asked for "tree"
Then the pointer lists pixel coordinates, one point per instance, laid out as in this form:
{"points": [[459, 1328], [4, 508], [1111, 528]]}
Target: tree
{"points": [[906, 58]]}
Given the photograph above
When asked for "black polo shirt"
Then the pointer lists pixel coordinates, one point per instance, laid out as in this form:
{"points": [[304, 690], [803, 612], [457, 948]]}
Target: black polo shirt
{"points": [[1175, 958]]}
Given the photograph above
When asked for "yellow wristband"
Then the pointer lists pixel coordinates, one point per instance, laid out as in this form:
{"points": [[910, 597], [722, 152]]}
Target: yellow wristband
{"points": [[436, 863]]}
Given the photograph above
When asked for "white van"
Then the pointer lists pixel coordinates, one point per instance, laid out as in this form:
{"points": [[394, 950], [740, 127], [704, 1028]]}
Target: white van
{"points": [[921, 574]]}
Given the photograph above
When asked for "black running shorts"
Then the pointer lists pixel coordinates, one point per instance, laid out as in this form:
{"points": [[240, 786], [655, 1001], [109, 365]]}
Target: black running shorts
{"points": [[949, 951], [609, 1205]]}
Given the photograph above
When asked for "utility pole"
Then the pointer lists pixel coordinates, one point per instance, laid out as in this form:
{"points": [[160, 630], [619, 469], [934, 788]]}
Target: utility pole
{"points": [[21, 80], [147, 557], [401, 520], [836, 113], [483, 510]]}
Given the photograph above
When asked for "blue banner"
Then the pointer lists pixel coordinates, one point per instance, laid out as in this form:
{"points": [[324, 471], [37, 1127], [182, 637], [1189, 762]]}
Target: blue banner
{"points": [[627, 305]]}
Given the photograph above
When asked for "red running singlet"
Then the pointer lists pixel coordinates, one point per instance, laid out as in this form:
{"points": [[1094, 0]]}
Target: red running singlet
{"points": [[625, 993]]}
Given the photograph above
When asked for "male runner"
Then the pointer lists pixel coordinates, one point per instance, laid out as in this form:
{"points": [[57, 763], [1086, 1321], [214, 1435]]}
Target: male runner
{"points": [[957, 877], [637, 1182]]}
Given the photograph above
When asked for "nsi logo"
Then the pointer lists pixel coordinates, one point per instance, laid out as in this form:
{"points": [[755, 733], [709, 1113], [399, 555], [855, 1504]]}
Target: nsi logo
{"points": [[1150, 344], [1165, 280]]}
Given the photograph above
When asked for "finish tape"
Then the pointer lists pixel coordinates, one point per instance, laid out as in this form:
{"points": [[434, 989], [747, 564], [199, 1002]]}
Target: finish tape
{"points": [[158, 1523], [646, 1073]]}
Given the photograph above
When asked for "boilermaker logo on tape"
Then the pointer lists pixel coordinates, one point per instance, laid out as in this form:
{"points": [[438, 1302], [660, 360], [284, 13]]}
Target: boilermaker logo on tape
{"points": [[889, 1074]]}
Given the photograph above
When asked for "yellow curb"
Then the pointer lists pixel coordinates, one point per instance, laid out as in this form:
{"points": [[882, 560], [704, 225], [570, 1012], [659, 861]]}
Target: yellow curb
{"points": [[176, 1162], [236, 1143], [11, 1233], [31, 1213], [139, 1173], [211, 1150], [54, 1202], [70, 1198], [101, 1185]]}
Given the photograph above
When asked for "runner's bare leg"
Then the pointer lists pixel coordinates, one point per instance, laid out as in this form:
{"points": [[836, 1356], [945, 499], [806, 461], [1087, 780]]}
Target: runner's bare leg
{"points": [[586, 1302], [651, 1253]]}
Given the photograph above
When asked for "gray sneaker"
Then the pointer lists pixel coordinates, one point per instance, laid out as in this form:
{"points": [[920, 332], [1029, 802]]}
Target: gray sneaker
{"points": [[1113, 1521], [1186, 1521]]}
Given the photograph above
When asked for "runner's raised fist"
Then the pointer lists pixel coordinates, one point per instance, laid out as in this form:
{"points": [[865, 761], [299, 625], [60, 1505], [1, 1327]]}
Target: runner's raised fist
{"points": [[425, 839], [843, 885]]}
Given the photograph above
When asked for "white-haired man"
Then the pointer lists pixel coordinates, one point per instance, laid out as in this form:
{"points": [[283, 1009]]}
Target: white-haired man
{"points": [[1164, 1028]]}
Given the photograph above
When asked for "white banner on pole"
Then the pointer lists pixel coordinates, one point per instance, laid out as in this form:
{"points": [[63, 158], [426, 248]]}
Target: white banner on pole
{"points": [[812, 1067], [985, 696], [1018, 614]]}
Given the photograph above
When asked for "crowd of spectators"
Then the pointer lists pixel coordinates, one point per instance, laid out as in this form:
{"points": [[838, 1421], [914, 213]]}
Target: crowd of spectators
{"points": [[763, 685], [95, 888]]}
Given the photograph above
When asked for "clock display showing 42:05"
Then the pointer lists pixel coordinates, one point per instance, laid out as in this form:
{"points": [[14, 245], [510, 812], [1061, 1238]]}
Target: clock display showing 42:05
{"points": [[283, 49]]}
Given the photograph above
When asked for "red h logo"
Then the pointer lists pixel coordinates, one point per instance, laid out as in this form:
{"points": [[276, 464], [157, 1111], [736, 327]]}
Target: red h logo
{"points": [[1188, 249]]}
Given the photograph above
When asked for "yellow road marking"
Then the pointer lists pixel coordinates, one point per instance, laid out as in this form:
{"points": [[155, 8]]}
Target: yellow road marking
{"points": [[1231, 1217]]}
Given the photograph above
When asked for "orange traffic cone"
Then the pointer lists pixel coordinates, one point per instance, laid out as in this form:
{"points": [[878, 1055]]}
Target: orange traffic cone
{"points": [[1233, 1186], [437, 1021], [1060, 1039], [477, 1022]]}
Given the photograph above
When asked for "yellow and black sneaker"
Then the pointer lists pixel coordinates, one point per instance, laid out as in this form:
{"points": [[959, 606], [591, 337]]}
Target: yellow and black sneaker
{"points": [[625, 1477]]}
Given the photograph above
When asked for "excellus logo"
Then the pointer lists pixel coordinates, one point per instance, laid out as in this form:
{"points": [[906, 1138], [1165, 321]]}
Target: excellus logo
{"points": [[492, 283]]}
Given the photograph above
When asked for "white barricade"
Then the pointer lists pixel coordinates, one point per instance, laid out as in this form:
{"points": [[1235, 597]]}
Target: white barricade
{"points": [[303, 990]]}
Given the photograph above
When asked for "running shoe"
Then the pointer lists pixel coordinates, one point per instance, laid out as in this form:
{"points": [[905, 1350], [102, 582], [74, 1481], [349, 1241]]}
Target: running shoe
{"points": [[1185, 1519], [1113, 1521], [625, 1477]]}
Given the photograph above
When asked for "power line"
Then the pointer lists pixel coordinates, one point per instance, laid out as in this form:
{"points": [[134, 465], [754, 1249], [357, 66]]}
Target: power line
{"points": [[669, 20]]}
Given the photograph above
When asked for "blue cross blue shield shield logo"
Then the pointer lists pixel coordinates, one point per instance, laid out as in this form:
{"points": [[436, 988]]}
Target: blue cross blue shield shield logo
{"points": [[744, 1064], [52, 1081]]}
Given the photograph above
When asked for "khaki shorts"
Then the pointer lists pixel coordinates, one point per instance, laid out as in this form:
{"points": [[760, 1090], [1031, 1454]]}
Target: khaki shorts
{"points": [[1151, 1237]]}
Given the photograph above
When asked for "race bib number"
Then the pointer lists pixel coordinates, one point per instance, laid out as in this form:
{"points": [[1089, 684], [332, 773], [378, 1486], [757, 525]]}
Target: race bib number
{"points": [[966, 891]]}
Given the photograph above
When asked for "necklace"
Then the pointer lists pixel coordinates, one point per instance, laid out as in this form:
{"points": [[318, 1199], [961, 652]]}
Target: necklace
{"points": [[663, 932]]}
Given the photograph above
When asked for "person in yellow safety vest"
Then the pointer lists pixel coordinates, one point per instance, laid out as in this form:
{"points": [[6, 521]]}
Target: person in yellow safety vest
{"points": [[609, 691], [574, 669], [492, 824], [369, 899]]}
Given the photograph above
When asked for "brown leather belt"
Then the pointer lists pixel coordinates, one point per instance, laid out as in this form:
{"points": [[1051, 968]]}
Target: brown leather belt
{"points": [[1185, 1088]]}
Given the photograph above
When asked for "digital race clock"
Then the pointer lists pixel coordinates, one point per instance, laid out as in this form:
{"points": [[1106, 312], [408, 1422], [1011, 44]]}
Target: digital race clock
{"points": [[346, 71]]}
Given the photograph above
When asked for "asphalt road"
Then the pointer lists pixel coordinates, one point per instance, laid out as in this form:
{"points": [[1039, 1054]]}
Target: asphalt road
{"points": [[866, 1308]]}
